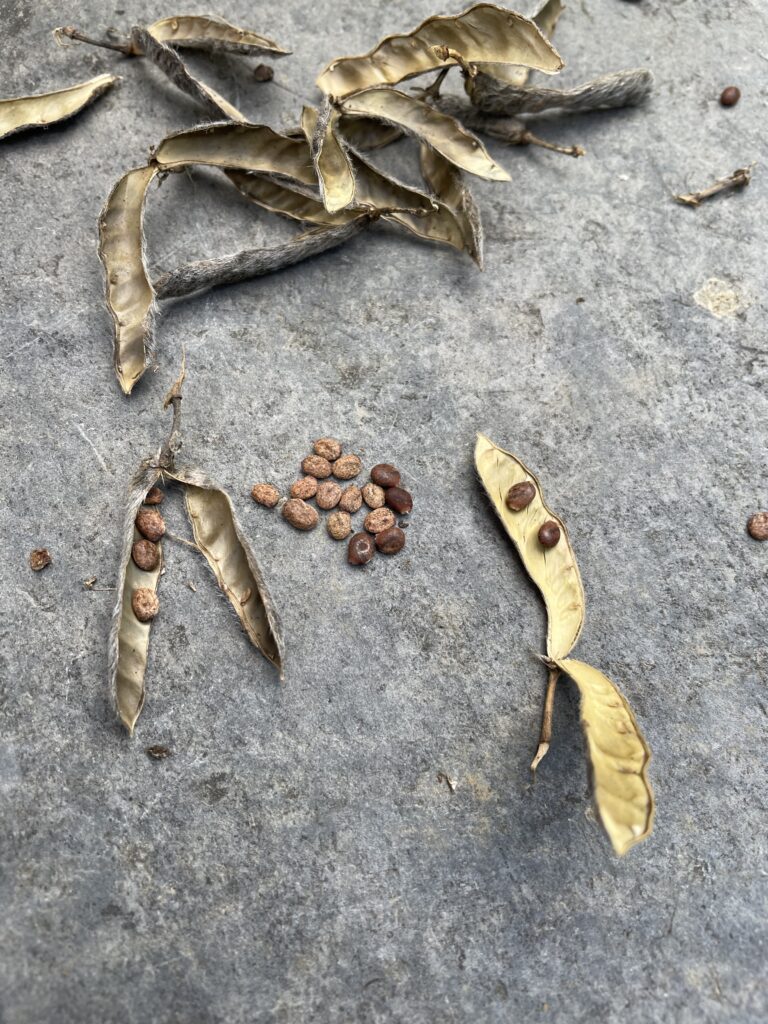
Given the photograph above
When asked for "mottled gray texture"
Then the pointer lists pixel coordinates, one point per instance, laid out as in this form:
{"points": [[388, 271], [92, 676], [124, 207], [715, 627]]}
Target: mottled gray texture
{"points": [[296, 859]]}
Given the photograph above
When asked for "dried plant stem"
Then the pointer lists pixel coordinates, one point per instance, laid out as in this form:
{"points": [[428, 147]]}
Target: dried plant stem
{"points": [[511, 130], [545, 736], [619, 89], [70, 32], [739, 179]]}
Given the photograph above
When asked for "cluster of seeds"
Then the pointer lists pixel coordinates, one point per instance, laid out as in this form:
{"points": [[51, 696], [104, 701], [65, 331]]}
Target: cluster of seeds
{"points": [[520, 496], [383, 496], [146, 554]]}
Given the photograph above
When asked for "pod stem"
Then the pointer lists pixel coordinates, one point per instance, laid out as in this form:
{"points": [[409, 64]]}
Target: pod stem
{"points": [[545, 735], [70, 32], [529, 139]]}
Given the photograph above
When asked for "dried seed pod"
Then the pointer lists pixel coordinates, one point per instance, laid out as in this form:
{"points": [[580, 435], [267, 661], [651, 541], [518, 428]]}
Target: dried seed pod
{"points": [[214, 35], [150, 524], [379, 519], [365, 134], [549, 534], [390, 541], [520, 496], [351, 499], [627, 88], [327, 448], [545, 20], [39, 559], [347, 467], [155, 496], [329, 154], [145, 604], [317, 466], [23, 112], [265, 494], [279, 197], [339, 525], [361, 549], [373, 495], [399, 500], [328, 495], [299, 514], [304, 488], [146, 555], [757, 525], [385, 475], [447, 183]]}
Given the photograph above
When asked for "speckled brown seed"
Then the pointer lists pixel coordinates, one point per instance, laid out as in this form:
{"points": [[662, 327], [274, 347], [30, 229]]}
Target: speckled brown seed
{"points": [[758, 526], [328, 494], [146, 555], [361, 549], [390, 541], [385, 475], [520, 496], [328, 447], [299, 514], [378, 520], [304, 488], [145, 604], [549, 534], [399, 499], [351, 499], [39, 559], [730, 96], [316, 465], [339, 525], [150, 523], [373, 495], [265, 494], [154, 496], [346, 467]]}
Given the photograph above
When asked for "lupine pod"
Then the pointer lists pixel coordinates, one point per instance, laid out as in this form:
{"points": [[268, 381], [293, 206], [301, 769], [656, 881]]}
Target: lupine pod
{"points": [[364, 134], [447, 183], [279, 197], [545, 20], [329, 155], [207, 32], [627, 88], [22, 112]]}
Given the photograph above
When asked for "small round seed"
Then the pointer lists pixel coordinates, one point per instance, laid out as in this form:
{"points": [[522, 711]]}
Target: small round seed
{"points": [[549, 534], [263, 73], [378, 520], [758, 526], [327, 447], [265, 494], [304, 488], [520, 496], [339, 525], [385, 475], [316, 465], [399, 499], [351, 499], [346, 467], [361, 549], [730, 96], [299, 514], [150, 523], [154, 496], [146, 555], [39, 559], [145, 604], [390, 541], [328, 494], [373, 495]]}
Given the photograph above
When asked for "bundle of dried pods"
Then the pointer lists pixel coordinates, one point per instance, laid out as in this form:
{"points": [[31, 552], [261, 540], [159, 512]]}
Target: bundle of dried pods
{"points": [[618, 753]]}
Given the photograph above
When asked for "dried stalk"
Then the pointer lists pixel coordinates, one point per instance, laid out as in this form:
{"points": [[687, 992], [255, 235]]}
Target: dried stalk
{"points": [[545, 736], [618, 89], [511, 130], [739, 179]]}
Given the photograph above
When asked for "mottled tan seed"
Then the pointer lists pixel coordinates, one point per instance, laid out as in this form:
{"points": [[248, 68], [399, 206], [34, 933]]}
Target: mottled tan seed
{"points": [[304, 488], [154, 496], [549, 534], [339, 525], [299, 514], [399, 499], [346, 467], [390, 541], [146, 555], [328, 447], [385, 475], [328, 494], [361, 549], [316, 465], [265, 494], [758, 526], [145, 604], [351, 499], [520, 496], [39, 558], [373, 495], [150, 523], [378, 520]]}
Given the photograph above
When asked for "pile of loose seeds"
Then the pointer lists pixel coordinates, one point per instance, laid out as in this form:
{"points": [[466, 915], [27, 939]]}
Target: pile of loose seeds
{"points": [[383, 496]]}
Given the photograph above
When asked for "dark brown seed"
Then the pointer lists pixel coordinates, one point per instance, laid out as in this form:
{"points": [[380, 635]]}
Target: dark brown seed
{"points": [[316, 465], [154, 496], [730, 97], [758, 526], [361, 549], [150, 523], [385, 475], [39, 558], [157, 753], [390, 541], [263, 73], [520, 496], [145, 604], [146, 555], [399, 499], [549, 534]]}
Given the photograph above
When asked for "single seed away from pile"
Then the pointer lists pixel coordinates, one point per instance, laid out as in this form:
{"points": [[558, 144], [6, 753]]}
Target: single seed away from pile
{"points": [[758, 526]]}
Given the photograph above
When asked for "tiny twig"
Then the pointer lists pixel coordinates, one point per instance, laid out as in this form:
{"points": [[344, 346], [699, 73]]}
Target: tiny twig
{"points": [[511, 130], [739, 179], [432, 92], [448, 53], [529, 139], [70, 32], [172, 446], [180, 540], [545, 735]]}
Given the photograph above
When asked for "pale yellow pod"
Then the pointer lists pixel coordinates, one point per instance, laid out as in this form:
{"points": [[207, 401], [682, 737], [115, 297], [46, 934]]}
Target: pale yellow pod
{"points": [[365, 134], [207, 32], [329, 155], [553, 570], [281, 198], [448, 185], [23, 112], [545, 19], [618, 757]]}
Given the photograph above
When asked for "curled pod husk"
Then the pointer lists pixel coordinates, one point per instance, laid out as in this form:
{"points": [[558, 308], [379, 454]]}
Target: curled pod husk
{"points": [[627, 88], [129, 292], [483, 33], [219, 537], [441, 131], [545, 19], [365, 134], [553, 570], [129, 638], [447, 184], [23, 112], [279, 197], [329, 155], [618, 756], [244, 147], [207, 32]]}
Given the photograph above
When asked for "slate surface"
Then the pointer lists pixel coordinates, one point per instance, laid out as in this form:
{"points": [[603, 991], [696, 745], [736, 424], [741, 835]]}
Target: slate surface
{"points": [[297, 859]]}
